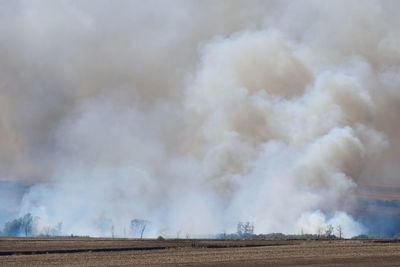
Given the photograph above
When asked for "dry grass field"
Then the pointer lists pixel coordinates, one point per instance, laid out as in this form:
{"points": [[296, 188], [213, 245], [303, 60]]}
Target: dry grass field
{"points": [[186, 252]]}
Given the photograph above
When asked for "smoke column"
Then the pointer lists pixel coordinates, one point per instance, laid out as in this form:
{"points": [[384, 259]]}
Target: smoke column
{"points": [[196, 115]]}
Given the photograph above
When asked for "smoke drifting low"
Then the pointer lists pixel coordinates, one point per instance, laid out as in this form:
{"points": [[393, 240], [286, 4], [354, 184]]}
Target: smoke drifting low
{"points": [[195, 115]]}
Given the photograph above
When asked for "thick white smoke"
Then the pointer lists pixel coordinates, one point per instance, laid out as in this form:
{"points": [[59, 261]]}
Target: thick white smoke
{"points": [[196, 115]]}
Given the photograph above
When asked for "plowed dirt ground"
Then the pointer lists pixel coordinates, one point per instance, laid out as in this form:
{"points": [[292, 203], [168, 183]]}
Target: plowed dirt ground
{"points": [[186, 252]]}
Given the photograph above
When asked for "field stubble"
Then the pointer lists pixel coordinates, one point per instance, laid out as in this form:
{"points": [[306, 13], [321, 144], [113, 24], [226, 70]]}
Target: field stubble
{"points": [[186, 252]]}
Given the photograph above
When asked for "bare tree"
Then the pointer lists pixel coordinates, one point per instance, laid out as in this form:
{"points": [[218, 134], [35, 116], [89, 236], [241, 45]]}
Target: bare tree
{"points": [[329, 231], [240, 229], [142, 231], [13, 228], [319, 233], [138, 227], [27, 223], [339, 230], [245, 229]]}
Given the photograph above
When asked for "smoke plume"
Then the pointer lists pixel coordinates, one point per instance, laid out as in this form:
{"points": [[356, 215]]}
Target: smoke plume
{"points": [[195, 115]]}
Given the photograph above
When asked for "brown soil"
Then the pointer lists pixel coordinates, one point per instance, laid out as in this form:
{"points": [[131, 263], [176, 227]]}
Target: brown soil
{"points": [[128, 252]]}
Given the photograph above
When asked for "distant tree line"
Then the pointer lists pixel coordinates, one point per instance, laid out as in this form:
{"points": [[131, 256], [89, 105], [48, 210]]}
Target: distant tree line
{"points": [[246, 230], [139, 228], [26, 226], [19, 227]]}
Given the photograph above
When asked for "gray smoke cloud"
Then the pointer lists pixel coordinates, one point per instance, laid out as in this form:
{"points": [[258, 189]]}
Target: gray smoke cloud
{"points": [[195, 115]]}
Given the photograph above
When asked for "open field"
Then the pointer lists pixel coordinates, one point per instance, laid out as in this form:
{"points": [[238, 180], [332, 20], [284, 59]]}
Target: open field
{"points": [[186, 252]]}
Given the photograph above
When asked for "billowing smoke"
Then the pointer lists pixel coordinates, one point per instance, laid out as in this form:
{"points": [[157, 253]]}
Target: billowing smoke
{"points": [[195, 115]]}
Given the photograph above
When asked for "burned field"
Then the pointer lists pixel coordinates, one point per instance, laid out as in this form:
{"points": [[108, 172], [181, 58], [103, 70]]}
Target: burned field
{"points": [[206, 252]]}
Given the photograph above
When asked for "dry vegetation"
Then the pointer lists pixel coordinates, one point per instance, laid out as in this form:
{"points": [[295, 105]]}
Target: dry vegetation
{"points": [[186, 252]]}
